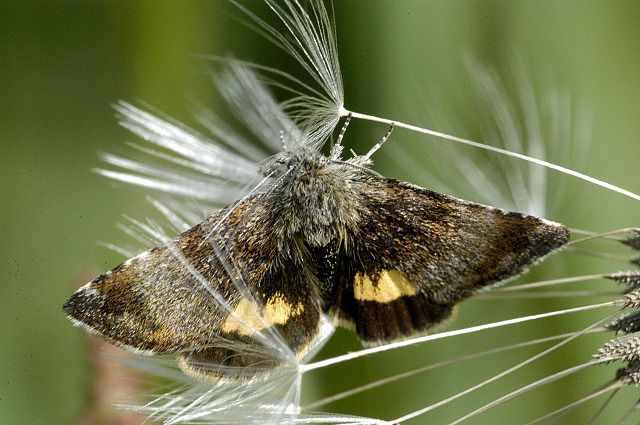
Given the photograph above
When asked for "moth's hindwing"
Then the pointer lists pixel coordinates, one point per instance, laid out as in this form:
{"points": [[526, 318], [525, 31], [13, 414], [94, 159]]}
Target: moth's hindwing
{"points": [[417, 253], [221, 295]]}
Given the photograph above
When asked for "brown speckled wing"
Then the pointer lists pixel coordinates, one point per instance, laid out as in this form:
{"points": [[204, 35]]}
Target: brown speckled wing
{"points": [[219, 294], [417, 253]]}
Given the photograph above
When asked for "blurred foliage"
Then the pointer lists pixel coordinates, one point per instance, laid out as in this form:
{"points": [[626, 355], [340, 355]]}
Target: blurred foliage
{"points": [[64, 63]]}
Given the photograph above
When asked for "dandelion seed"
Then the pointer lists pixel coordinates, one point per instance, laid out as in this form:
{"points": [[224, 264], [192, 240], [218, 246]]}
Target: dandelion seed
{"points": [[631, 374], [629, 323], [632, 299], [633, 241], [630, 278], [626, 348]]}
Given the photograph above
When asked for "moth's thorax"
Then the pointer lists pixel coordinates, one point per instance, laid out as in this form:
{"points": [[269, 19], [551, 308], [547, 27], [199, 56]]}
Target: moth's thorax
{"points": [[315, 199]]}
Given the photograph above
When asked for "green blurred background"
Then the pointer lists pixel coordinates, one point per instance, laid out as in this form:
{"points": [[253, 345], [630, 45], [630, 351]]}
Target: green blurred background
{"points": [[63, 64]]}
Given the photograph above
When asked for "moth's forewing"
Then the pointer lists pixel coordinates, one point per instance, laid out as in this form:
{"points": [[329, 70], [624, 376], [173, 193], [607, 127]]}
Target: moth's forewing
{"points": [[214, 294], [417, 253]]}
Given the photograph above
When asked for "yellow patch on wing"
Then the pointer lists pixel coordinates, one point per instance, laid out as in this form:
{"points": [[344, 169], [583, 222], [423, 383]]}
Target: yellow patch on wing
{"points": [[278, 311], [390, 286], [247, 318]]}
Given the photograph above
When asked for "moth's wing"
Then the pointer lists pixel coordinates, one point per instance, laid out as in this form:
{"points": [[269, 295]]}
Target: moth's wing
{"points": [[416, 253], [219, 294]]}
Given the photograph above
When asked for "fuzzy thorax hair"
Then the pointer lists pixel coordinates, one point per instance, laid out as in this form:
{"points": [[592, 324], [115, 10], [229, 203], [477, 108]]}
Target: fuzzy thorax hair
{"points": [[314, 196]]}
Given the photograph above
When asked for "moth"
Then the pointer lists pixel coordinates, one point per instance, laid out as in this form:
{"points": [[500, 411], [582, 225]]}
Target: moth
{"points": [[326, 240]]}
